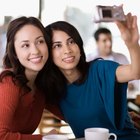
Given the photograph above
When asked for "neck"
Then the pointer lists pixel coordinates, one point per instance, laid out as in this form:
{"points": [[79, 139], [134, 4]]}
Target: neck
{"points": [[71, 75], [31, 79], [104, 55]]}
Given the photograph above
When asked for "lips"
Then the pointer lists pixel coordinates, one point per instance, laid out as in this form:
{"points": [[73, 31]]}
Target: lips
{"points": [[35, 59], [68, 59]]}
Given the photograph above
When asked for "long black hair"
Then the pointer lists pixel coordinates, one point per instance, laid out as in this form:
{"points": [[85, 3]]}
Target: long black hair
{"points": [[10, 60], [58, 82]]}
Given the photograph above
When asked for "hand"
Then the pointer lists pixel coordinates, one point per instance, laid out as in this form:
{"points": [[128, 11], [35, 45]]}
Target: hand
{"points": [[135, 119], [53, 131], [131, 87], [129, 30]]}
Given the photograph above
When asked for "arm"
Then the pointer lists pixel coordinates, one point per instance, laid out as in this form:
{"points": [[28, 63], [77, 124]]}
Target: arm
{"points": [[135, 119], [130, 35], [55, 109], [9, 100]]}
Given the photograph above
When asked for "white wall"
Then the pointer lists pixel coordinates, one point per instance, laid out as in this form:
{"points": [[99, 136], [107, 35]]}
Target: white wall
{"points": [[80, 13]]}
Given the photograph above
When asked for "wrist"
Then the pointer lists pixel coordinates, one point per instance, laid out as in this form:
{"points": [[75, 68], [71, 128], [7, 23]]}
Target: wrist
{"points": [[132, 46]]}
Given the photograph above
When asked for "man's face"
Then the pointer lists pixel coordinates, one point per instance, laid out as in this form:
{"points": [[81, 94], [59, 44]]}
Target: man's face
{"points": [[104, 44]]}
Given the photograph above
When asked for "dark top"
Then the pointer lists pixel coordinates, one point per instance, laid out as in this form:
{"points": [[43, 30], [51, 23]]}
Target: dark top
{"points": [[99, 102]]}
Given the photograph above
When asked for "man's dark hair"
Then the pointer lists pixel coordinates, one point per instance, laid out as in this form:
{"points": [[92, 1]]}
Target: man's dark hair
{"points": [[99, 31]]}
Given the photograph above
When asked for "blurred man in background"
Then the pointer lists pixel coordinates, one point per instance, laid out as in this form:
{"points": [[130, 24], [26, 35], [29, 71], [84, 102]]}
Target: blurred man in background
{"points": [[103, 38]]}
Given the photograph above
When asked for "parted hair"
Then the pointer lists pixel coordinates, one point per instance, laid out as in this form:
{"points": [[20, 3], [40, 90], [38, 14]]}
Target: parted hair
{"points": [[58, 82]]}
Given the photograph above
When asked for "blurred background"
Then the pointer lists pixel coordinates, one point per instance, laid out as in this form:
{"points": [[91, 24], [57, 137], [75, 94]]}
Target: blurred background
{"points": [[79, 13]]}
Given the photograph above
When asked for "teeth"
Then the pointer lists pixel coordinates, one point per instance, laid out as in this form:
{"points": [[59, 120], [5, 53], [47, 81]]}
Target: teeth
{"points": [[69, 59], [35, 60]]}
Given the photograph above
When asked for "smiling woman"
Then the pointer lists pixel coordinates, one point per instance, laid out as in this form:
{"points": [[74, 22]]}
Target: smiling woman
{"points": [[31, 49], [62, 47], [88, 90], [21, 96]]}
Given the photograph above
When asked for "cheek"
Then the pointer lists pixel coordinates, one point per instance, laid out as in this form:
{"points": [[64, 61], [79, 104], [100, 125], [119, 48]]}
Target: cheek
{"points": [[46, 54], [78, 53], [17, 53], [45, 51], [78, 58], [20, 54], [56, 57]]}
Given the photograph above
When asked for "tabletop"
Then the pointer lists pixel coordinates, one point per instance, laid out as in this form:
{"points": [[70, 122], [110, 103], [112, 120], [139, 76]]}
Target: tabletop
{"points": [[79, 139]]}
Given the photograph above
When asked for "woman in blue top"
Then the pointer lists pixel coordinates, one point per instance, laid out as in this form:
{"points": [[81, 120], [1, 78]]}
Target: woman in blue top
{"points": [[92, 94]]}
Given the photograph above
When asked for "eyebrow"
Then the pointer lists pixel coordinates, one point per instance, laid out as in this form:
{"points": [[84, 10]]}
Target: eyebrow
{"points": [[35, 39], [39, 37], [60, 41], [69, 38], [57, 42]]}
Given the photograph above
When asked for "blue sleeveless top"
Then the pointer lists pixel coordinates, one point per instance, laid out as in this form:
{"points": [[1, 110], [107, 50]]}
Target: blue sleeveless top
{"points": [[99, 102]]}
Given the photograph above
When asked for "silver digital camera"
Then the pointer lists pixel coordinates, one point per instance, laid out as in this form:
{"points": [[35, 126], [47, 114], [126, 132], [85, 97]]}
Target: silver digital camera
{"points": [[108, 13]]}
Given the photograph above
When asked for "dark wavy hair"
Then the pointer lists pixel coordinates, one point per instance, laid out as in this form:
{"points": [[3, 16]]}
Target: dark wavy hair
{"points": [[57, 88], [10, 60]]}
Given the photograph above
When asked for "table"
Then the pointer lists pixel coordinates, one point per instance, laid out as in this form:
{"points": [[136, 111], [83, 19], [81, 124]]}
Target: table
{"points": [[79, 139]]}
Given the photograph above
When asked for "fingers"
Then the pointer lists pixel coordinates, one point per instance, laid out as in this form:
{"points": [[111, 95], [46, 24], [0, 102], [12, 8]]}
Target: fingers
{"points": [[121, 26], [134, 25], [129, 25], [135, 117], [137, 125], [129, 20], [129, 30], [53, 131]]}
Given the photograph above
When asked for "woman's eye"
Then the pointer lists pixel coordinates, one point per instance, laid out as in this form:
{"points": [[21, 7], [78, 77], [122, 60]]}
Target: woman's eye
{"points": [[56, 46], [71, 41], [25, 46], [40, 41]]}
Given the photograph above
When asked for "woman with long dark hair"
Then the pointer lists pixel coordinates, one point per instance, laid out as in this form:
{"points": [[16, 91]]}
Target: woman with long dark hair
{"points": [[92, 94], [21, 98]]}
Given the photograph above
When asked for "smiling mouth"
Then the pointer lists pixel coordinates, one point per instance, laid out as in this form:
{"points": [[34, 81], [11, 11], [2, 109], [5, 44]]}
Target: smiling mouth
{"points": [[36, 59], [68, 59]]}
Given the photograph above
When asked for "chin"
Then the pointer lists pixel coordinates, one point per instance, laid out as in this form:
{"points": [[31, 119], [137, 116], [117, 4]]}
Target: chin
{"points": [[37, 69]]}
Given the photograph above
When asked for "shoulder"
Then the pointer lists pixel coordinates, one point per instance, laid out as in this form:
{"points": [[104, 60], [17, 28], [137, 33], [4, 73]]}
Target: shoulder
{"points": [[102, 63], [120, 58], [118, 54], [7, 79], [6, 76], [103, 71], [93, 55], [7, 83]]}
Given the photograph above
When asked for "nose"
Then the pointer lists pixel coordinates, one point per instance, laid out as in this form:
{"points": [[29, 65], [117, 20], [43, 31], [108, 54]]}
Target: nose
{"points": [[34, 49], [67, 49], [109, 43]]}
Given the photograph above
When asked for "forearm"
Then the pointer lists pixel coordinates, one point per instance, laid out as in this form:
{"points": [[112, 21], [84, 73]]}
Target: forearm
{"points": [[4, 135], [135, 61], [130, 35]]}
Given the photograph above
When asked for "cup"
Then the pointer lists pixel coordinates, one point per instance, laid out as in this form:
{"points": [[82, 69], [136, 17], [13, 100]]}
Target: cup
{"points": [[98, 134], [55, 137]]}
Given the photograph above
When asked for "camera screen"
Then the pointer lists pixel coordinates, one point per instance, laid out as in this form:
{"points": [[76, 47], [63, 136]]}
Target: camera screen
{"points": [[106, 13]]}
